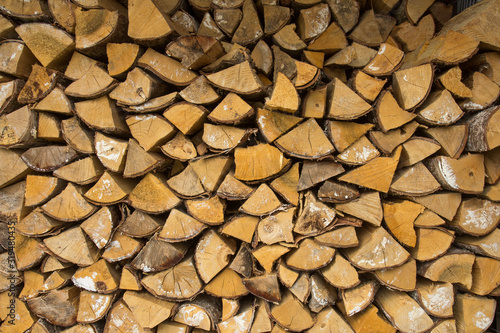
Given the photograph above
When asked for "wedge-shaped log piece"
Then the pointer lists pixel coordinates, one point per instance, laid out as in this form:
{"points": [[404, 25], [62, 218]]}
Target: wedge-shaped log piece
{"points": [[452, 81], [288, 40], [387, 142], [272, 125], [412, 85], [166, 68], [415, 180], [14, 169], [102, 114], [242, 321], [77, 135], [111, 188], [485, 275], [12, 207], [417, 149], [150, 131], [228, 19], [284, 96], [435, 297], [119, 317], [146, 23], [389, 114], [18, 128], [100, 277], [200, 92], [367, 207], [48, 158], [368, 320], [473, 313], [299, 141], [440, 109], [223, 138], [291, 314], [78, 65], [412, 36], [139, 224], [464, 175], [402, 278], [336, 192], [399, 217], [10, 92], [28, 252], [476, 217], [49, 127], [143, 302], [275, 18], [313, 21], [16, 58], [121, 247], [483, 127], [240, 79], [358, 298], [366, 86], [315, 172], [107, 26], [211, 170], [93, 306], [431, 243], [302, 287], [59, 307], [488, 64], [130, 279], [345, 104], [277, 227], [138, 88], [387, 60], [187, 117], [314, 103], [359, 153], [94, 83], [73, 246], [158, 255], [100, 226], [484, 92], [444, 204], [186, 184], [40, 82], [232, 189], [330, 41], [267, 255], [227, 284], [372, 29], [376, 174], [258, 162], [377, 250], [341, 237], [455, 267], [340, 273], [314, 217], [287, 184], [229, 308], [243, 262], [111, 151], [343, 133], [50, 45], [309, 256], [179, 282], [203, 313], [121, 57], [180, 226], [484, 245], [154, 104], [403, 311], [329, 320], [231, 110], [84, 171], [195, 51], [37, 224], [322, 294], [241, 227], [152, 195], [179, 148], [208, 27], [212, 254], [139, 162], [69, 205], [428, 219], [250, 29]]}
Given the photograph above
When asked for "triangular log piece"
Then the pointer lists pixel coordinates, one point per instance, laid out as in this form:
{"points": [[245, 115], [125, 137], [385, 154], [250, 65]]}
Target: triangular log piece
{"points": [[387, 60], [372, 29], [431, 243], [121, 247], [143, 302], [158, 255], [258, 162], [387, 142], [111, 188], [111, 151], [69, 205], [356, 299], [241, 227], [476, 217], [360, 152], [166, 68], [95, 83], [73, 246], [231, 110], [152, 195], [102, 114], [316, 172], [227, 284], [180, 282], [344, 104], [401, 278], [40, 82], [121, 57], [277, 227], [314, 216], [82, 172], [59, 307], [240, 79], [377, 250], [291, 314], [286, 185], [99, 227], [309, 256], [399, 217], [482, 129], [99, 277], [412, 85], [484, 245], [340, 273]]}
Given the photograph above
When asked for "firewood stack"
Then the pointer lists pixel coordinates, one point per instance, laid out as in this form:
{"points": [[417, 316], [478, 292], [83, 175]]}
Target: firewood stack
{"points": [[249, 166]]}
